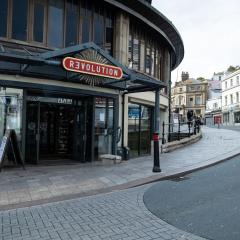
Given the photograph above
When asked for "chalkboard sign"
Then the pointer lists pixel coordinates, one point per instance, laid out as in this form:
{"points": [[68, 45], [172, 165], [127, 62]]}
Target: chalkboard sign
{"points": [[10, 147]]}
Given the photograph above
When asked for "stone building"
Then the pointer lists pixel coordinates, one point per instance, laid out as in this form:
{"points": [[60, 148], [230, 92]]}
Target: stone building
{"points": [[189, 94], [79, 78]]}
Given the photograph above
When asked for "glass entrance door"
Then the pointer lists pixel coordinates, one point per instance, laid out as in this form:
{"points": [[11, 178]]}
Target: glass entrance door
{"points": [[80, 133], [32, 137], [139, 129], [57, 131]]}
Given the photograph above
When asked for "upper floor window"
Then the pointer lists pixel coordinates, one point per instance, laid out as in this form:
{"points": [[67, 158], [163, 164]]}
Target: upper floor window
{"points": [[148, 59], [39, 19], [57, 23], [198, 100], [226, 102], [3, 17], [190, 101], [135, 56], [237, 80], [226, 85], [72, 23], [231, 99], [191, 88], [98, 27], [144, 53], [231, 82], [19, 19], [237, 97]]}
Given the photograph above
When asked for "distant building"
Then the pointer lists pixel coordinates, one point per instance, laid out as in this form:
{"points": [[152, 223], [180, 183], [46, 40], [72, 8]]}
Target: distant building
{"points": [[213, 114], [218, 76], [231, 99], [189, 94]]}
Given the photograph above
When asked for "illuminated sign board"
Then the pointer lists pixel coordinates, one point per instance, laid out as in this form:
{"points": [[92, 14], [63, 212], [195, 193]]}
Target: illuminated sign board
{"points": [[92, 68]]}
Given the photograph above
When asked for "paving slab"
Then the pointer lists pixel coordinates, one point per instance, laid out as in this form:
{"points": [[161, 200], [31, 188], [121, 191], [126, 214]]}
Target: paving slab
{"points": [[118, 215], [41, 184]]}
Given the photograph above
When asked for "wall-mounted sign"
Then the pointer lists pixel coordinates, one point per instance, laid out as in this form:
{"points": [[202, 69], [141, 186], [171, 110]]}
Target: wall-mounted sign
{"points": [[92, 68], [50, 100]]}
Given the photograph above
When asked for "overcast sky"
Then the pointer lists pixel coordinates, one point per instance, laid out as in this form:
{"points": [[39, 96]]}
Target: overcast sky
{"points": [[210, 31]]}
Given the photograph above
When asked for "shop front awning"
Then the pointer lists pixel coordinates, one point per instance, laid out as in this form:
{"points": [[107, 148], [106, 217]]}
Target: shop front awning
{"points": [[30, 62]]}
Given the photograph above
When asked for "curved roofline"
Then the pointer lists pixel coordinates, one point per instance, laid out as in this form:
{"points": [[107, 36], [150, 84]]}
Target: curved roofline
{"points": [[145, 12]]}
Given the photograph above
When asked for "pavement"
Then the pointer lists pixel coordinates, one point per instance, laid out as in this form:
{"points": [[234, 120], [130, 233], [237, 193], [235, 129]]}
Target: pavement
{"points": [[96, 202], [43, 184], [120, 215]]}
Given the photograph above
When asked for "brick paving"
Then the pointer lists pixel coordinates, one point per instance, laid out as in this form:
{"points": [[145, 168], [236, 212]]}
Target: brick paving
{"points": [[53, 183], [118, 215]]}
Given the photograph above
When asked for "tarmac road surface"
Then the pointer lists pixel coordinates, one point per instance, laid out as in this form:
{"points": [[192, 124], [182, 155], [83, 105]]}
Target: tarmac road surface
{"points": [[204, 203]]}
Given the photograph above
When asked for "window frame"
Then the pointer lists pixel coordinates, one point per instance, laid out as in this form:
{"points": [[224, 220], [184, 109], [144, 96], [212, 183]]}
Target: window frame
{"points": [[45, 22], [78, 22], [107, 12]]}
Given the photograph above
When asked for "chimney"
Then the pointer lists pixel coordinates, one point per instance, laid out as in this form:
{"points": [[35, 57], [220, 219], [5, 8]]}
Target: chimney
{"points": [[185, 76]]}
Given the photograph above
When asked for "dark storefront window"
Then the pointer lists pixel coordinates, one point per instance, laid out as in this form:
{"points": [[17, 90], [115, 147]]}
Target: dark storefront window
{"points": [[139, 129], [19, 19], [3, 17], [71, 23], [11, 103], [237, 117], [55, 23], [226, 118], [38, 23]]}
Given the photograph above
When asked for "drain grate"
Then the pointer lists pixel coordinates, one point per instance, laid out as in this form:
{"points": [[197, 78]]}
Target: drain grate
{"points": [[179, 179]]}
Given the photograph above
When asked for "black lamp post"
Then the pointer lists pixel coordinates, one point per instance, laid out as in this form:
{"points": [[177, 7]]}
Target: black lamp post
{"points": [[156, 165]]}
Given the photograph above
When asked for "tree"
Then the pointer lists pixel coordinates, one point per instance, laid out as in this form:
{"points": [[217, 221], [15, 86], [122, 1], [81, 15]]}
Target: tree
{"points": [[201, 79], [233, 69]]}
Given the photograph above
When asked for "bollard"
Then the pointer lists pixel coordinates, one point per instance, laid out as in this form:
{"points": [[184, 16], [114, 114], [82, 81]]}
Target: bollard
{"points": [[163, 134], [156, 167]]}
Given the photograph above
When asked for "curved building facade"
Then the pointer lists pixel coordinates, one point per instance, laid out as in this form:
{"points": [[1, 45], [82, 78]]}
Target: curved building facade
{"points": [[78, 77]]}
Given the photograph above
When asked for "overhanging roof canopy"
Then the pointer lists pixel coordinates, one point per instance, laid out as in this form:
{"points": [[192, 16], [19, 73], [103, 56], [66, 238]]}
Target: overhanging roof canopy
{"points": [[49, 65]]}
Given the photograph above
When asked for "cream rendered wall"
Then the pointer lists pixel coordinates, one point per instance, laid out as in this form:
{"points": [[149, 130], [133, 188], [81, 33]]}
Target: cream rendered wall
{"points": [[227, 92]]}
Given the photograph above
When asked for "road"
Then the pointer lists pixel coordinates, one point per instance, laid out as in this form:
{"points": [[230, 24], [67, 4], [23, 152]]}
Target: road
{"points": [[205, 203], [234, 128]]}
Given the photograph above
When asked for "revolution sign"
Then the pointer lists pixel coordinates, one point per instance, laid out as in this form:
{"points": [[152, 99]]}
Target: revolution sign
{"points": [[92, 68]]}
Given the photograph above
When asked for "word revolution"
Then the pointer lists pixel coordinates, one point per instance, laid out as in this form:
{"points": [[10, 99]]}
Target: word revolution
{"points": [[92, 68]]}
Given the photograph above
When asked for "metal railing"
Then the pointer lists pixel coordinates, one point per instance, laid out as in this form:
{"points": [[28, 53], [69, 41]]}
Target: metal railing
{"points": [[177, 131]]}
